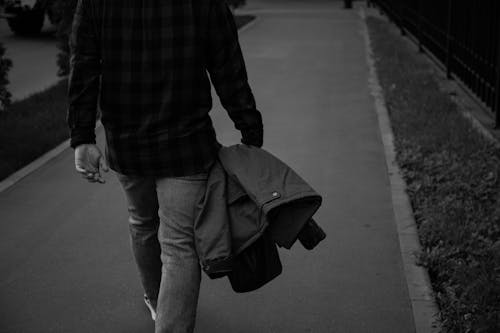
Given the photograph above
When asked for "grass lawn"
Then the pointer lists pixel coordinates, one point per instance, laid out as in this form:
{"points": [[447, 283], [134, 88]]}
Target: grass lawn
{"points": [[452, 174], [31, 127], [242, 20], [37, 124]]}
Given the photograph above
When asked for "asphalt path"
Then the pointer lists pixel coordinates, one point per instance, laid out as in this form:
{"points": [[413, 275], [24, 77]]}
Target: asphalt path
{"points": [[64, 253], [34, 60]]}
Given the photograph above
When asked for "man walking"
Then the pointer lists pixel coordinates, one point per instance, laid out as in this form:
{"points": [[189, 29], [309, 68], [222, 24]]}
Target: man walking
{"points": [[145, 64]]}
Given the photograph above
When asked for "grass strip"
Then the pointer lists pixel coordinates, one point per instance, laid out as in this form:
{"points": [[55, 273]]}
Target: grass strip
{"points": [[33, 126], [242, 20], [452, 175]]}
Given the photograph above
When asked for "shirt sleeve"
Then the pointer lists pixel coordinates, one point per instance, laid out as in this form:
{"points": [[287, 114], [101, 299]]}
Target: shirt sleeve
{"points": [[226, 67], [84, 78]]}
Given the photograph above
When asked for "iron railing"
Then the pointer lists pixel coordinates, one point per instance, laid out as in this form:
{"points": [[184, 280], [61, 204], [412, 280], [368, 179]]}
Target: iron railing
{"points": [[463, 35]]}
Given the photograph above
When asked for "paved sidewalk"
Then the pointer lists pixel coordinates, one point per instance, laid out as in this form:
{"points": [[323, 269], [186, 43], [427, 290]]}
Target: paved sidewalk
{"points": [[64, 256], [34, 60]]}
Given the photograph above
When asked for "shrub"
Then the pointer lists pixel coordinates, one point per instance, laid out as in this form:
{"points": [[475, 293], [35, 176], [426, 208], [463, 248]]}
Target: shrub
{"points": [[27, 21], [5, 65]]}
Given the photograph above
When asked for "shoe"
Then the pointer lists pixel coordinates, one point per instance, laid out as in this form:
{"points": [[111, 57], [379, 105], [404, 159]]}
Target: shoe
{"points": [[311, 234], [151, 306]]}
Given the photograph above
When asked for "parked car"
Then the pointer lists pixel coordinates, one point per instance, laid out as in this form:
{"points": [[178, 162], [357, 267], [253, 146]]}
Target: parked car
{"points": [[26, 17]]}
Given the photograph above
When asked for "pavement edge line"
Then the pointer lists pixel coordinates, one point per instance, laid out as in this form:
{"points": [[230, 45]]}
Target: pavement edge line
{"points": [[36, 164], [424, 307], [248, 25], [40, 90]]}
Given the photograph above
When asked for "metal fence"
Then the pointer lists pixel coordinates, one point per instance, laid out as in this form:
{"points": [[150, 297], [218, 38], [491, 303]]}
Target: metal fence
{"points": [[464, 35]]}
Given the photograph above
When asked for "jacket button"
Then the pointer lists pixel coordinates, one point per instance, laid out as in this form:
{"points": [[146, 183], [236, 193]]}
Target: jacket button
{"points": [[275, 194]]}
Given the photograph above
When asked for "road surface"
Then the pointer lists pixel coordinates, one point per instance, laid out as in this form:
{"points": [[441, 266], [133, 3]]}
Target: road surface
{"points": [[34, 60], [65, 261]]}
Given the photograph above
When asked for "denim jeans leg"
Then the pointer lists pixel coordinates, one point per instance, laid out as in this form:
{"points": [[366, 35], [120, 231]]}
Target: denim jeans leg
{"points": [[181, 272], [143, 226]]}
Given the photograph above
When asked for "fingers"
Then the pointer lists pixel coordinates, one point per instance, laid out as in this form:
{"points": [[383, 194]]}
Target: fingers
{"points": [[89, 163], [80, 169], [92, 176], [103, 165], [98, 178]]}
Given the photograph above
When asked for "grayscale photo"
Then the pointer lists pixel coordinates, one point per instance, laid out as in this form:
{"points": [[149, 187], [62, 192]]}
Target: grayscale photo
{"points": [[249, 166]]}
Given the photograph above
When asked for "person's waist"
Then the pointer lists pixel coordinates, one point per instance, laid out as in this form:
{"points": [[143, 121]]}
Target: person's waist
{"points": [[148, 133]]}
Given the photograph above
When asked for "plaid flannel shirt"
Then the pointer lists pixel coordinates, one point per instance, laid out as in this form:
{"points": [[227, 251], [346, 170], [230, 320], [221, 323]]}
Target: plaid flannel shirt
{"points": [[145, 64]]}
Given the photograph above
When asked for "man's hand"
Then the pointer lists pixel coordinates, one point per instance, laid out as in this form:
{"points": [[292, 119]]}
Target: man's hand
{"points": [[253, 136], [89, 162]]}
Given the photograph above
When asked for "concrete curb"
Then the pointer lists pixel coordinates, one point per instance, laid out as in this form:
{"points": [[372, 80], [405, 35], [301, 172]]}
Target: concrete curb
{"points": [[425, 311], [249, 24], [48, 84], [33, 166]]}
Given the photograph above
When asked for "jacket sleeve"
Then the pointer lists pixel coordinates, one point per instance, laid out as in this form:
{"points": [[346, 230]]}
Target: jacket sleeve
{"points": [[226, 67], [84, 78]]}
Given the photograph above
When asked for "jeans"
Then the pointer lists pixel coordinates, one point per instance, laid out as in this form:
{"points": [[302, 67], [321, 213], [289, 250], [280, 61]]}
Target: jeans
{"points": [[162, 213]]}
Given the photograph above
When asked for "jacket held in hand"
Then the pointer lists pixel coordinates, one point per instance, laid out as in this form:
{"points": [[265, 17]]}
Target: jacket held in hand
{"points": [[249, 191]]}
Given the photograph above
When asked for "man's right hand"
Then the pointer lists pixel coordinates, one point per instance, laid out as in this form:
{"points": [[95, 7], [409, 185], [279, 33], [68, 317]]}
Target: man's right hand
{"points": [[253, 137], [89, 162]]}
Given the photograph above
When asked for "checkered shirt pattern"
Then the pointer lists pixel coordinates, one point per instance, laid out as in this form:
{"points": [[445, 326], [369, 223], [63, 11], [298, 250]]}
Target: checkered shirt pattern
{"points": [[146, 64]]}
